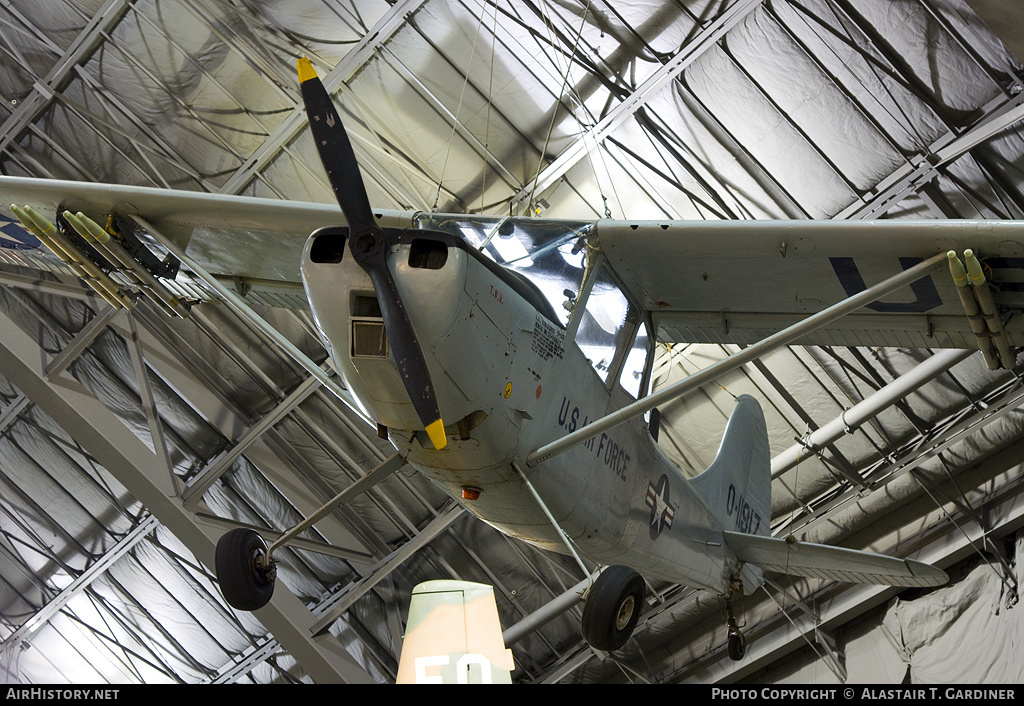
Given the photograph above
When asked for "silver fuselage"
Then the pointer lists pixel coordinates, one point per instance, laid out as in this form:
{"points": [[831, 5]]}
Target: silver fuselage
{"points": [[507, 382]]}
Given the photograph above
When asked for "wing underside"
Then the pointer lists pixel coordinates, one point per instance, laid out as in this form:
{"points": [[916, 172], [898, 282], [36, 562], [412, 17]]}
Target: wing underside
{"points": [[820, 561], [251, 244], [739, 282], [702, 281]]}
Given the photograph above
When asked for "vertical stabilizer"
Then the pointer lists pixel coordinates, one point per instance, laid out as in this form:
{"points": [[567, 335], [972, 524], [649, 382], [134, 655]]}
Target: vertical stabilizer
{"points": [[737, 486], [454, 637]]}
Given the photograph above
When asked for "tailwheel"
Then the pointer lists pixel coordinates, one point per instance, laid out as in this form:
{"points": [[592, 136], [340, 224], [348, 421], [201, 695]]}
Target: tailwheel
{"points": [[245, 570], [737, 645], [612, 608], [737, 641]]}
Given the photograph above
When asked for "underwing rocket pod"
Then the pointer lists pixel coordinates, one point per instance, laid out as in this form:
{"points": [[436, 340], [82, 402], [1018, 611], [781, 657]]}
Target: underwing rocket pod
{"points": [[54, 240], [979, 284], [972, 310], [119, 258]]}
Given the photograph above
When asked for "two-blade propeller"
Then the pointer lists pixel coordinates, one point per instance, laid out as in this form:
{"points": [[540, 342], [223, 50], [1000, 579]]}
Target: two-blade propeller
{"points": [[369, 245]]}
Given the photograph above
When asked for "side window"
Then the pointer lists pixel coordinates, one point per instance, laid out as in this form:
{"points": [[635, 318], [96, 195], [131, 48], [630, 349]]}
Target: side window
{"points": [[636, 358], [608, 322]]}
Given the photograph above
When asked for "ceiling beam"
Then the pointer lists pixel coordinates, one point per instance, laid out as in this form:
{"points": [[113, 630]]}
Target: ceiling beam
{"points": [[105, 437], [91, 36], [31, 626], [287, 131], [661, 78], [911, 178]]}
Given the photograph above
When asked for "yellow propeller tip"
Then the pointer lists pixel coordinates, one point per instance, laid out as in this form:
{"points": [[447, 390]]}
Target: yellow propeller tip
{"points": [[435, 430], [306, 70]]}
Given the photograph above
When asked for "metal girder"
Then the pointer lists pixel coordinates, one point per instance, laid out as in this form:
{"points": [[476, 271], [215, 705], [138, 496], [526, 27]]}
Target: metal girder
{"points": [[12, 413], [548, 612], [181, 376], [242, 309], [217, 466], [868, 408], [42, 617], [913, 176], [668, 72], [109, 441], [95, 33], [82, 340], [46, 286], [247, 661], [84, 44], [392, 21], [333, 608], [921, 451]]}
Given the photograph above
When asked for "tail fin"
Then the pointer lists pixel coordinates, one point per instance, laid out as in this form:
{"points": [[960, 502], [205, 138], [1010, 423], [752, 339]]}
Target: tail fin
{"points": [[737, 486], [454, 636]]}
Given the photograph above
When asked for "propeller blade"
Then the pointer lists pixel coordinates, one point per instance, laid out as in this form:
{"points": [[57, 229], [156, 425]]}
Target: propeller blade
{"points": [[335, 150], [369, 245]]}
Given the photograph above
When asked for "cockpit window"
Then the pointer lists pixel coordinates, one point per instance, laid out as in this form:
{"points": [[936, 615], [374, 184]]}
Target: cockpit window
{"points": [[544, 259], [632, 375], [607, 326]]}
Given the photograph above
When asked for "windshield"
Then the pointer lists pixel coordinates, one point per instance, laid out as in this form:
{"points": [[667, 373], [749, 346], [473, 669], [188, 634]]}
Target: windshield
{"points": [[539, 250], [546, 254]]}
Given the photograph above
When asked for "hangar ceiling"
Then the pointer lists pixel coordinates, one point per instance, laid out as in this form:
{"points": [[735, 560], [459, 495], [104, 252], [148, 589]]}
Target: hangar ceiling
{"points": [[129, 442]]}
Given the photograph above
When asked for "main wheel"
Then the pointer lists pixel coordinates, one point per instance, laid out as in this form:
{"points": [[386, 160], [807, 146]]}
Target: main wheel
{"points": [[246, 582], [612, 608], [737, 645]]}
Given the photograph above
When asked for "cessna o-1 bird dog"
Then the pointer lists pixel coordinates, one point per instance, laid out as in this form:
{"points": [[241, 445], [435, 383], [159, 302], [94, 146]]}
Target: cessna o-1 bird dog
{"points": [[451, 333]]}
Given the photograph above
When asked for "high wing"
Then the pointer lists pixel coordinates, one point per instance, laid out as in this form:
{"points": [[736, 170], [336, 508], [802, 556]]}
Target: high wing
{"points": [[740, 281], [252, 243], [701, 281]]}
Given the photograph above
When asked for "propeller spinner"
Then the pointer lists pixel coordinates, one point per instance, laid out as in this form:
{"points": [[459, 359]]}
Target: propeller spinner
{"points": [[369, 245]]}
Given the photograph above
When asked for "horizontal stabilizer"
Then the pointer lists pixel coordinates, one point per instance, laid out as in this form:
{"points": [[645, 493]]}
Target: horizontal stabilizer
{"points": [[796, 558]]}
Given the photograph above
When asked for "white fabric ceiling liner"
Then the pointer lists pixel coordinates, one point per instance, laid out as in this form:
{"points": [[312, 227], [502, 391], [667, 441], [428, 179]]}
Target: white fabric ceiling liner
{"points": [[806, 109]]}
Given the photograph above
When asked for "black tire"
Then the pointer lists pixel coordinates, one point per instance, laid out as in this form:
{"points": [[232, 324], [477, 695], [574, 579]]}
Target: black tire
{"points": [[245, 585], [613, 608], [737, 645]]}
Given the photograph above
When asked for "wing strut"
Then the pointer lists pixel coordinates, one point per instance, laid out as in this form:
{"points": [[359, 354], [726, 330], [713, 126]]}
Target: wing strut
{"points": [[385, 470], [736, 360]]}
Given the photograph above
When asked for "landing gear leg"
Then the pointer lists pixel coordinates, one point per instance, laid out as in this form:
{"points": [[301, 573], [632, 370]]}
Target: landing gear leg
{"points": [[737, 642], [612, 608]]}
